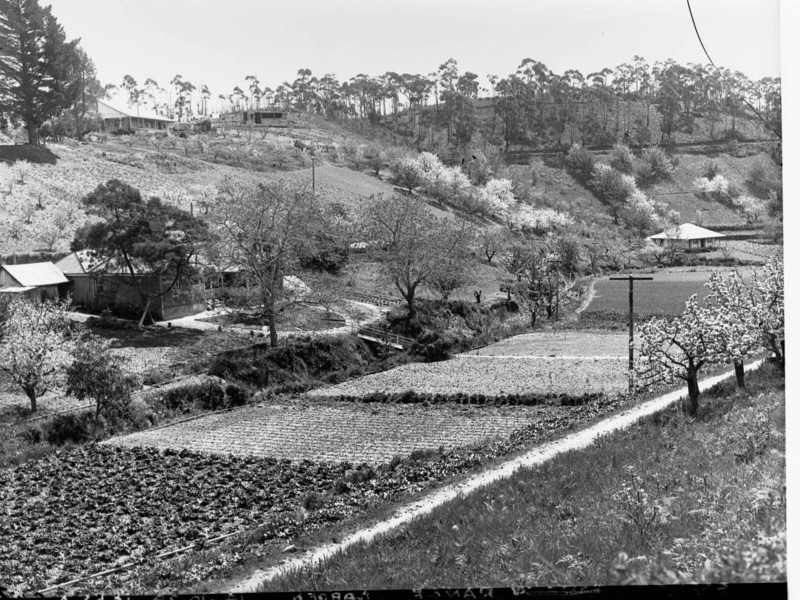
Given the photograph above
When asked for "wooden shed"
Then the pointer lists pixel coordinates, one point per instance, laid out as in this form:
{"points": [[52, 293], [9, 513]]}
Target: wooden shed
{"points": [[37, 281]]}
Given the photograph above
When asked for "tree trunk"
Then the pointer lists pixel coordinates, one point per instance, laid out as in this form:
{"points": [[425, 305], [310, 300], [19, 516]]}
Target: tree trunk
{"points": [[273, 326], [144, 313], [33, 135], [31, 394], [694, 392], [533, 320], [738, 367]]}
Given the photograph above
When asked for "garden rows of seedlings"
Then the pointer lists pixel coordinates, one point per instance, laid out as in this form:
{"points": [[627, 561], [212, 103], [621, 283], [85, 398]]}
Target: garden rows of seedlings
{"points": [[81, 511]]}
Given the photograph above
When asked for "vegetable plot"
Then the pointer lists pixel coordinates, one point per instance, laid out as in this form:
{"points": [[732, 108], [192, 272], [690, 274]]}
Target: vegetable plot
{"points": [[83, 511], [494, 376]]}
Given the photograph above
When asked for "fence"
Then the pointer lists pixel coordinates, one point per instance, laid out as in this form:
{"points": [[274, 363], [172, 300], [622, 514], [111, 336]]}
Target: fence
{"points": [[374, 299], [385, 337]]}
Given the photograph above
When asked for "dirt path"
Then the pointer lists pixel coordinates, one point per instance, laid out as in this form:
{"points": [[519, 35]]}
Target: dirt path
{"points": [[534, 457], [590, 294], [374, 313]]}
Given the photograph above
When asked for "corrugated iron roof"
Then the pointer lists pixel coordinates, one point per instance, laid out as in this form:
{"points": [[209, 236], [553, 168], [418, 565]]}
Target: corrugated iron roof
{"points": [[71, 264], [141, 112], [36, 274]]}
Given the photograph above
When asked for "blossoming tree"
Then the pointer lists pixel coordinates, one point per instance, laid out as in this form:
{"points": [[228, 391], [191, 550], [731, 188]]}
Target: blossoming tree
{"points": [[35, 346], [679, 348], [732, 326]]}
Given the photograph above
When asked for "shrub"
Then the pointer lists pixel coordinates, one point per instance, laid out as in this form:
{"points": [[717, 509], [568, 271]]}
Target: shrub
{"points": [[406, 172], [657, 166], [622, 159], [75, 428], [761, 182], [236, 395], [581, 162], [610, 185], [716, 187], [139, 415], [313, 501], [711, 169]]}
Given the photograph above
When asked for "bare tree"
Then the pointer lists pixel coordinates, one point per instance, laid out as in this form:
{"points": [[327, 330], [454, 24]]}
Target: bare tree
{"points": [[262, 228]]}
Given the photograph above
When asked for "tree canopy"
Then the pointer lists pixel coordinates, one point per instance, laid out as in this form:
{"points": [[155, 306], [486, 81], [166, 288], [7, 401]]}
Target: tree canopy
{"points": [[146, 238], [36, 64]]}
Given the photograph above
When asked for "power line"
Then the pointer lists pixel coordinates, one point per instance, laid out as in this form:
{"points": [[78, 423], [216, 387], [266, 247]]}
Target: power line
{"points": [[742, 98]]}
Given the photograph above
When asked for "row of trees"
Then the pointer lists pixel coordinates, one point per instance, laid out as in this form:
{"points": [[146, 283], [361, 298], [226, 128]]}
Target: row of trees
{"points": [[42, 75], [532, 104], [737, 319]]}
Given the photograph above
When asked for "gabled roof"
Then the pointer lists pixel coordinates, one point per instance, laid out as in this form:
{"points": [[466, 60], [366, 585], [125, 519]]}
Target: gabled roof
{"points": [[127, 111], [71, 264], [36, 274], [687, 231], [91, 261]]}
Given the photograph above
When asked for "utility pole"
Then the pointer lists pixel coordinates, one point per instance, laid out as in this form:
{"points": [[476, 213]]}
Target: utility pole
{"points": [[557, 261], [630, 279]]}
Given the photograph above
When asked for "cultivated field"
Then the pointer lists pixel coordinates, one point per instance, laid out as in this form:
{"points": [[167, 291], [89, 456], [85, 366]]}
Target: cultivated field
{"points": [[347, 432], [559, 344], [665, 295], [493, 376]]}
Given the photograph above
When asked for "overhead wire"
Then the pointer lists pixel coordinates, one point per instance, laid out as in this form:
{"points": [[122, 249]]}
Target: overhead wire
{"points": [[742, 98]]}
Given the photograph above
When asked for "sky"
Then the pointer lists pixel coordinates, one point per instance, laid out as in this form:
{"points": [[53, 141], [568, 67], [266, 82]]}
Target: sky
{"points": [[219, 43]]}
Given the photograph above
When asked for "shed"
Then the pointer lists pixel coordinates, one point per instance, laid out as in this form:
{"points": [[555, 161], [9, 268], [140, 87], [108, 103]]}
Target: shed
{"points": [[101, 282], [689, 236], [45, 277]]}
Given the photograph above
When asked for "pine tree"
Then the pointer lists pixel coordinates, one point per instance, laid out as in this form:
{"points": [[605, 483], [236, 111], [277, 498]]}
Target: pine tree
{"points": [[34, 58]]}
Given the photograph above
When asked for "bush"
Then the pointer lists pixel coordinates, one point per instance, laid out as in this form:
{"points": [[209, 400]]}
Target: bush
{"points": [[711, 169], [610, 185], [75, 428], [622, 159], [761, 182], [236, 395], [581, 162], [657, 166], [139, 415]]}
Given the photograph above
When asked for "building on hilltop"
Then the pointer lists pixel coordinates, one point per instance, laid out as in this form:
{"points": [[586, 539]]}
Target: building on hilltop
{"points": [[261, 117], [116, 117], [688, 236], [34, 281]]}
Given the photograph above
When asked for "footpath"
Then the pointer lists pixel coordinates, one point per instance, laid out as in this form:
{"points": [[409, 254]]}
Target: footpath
{"points": [[534, 457]]}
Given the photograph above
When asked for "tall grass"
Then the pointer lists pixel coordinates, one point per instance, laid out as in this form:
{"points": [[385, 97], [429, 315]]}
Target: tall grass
{"points": [[667, 501]]}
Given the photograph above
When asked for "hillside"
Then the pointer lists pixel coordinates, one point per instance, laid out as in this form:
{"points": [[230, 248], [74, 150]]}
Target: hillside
{"points": [[41, 208]]}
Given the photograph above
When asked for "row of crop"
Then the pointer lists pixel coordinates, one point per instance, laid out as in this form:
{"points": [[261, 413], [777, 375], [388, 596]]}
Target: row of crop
{"points": [[428, 398]]}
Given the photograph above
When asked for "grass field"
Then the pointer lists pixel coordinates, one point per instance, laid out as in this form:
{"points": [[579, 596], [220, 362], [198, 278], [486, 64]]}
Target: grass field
{"points": [[665, 295]]}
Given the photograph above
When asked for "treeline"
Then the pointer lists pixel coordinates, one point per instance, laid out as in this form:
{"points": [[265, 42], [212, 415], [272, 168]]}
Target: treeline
{"points": [[531, 106], [44, 76]]}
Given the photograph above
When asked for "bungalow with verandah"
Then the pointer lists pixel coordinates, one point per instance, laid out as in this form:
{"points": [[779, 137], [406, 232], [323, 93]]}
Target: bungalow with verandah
{"points": [[688, 236], [115, 116]]}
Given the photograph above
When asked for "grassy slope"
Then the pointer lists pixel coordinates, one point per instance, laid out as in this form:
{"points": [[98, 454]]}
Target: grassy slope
{"points": [[684, 501]]}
